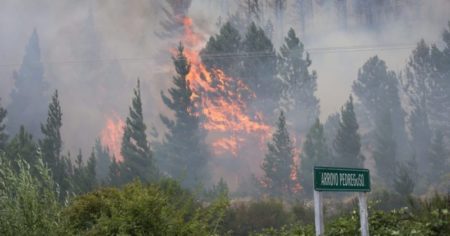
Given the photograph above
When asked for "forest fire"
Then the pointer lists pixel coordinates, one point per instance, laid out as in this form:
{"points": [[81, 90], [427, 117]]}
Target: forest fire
{"points": [[111, 135], [222, 103]]}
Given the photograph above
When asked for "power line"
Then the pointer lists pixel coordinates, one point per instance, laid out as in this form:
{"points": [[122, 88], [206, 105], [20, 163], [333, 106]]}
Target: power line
{"points": [[255, 54]]}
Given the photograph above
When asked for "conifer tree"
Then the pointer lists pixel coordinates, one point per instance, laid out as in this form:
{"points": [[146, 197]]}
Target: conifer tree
{"points": [[385, 154], [259, 72], [347, 144], [439, 158], [28, 98], [378, 90], [279, 162], [103, 161], [3, 135], [315, 152], [184, 151], [137, 156], [114, 173], [22, 146], [84, 177], [299, 84], [228, 41], [51, 143]]}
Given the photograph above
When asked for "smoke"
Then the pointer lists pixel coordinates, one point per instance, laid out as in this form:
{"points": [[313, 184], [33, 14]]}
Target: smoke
{"points": [[93, 51]]}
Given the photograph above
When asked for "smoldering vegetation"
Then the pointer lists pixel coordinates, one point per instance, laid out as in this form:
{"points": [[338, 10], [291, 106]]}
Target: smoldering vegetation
{"points": [[228, 99]]}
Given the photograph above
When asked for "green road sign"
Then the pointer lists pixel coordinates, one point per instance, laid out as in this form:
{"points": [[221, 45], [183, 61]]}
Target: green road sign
{"points": [[341, 179]]}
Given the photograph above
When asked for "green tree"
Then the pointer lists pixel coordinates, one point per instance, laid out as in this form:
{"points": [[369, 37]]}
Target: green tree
{"points": [[22, 147], [228, 41], [259, 70], [384, 152], [3, 135], [315, 152], [29, 205], [51, 143], [347, 144], [378, 90], [103, 161], [184, 151], [137, 156], [438, 158], [84, 177], [299, 84], [279, 161], [114, 178], [28, 98]]}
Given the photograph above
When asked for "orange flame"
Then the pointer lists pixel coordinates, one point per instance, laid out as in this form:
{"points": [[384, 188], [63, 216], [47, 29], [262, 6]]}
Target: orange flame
{"points": [[111, 135], [221, 99]]}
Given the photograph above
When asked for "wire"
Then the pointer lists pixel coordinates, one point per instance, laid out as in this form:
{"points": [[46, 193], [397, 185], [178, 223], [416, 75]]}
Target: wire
{"points": [[255, 54]]}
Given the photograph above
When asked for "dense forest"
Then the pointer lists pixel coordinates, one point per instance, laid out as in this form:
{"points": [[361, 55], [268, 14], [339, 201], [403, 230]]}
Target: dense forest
{"points": [[237, 132]]}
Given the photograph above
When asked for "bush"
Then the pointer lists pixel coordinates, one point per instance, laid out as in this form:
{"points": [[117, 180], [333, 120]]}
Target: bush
{"points": [[244, 218], [28, 203], [138, 209]]}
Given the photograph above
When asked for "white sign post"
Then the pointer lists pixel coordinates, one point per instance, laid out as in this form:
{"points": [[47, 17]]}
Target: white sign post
{"points": [[318, 212], [338, 180]]}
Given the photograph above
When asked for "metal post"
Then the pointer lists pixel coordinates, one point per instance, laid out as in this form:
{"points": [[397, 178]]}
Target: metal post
{"points": [[363, 214], [318, 213]]}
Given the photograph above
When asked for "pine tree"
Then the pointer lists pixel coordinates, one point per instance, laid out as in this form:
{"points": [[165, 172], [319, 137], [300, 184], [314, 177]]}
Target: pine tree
{"points": [[137, 156], [279, 161], [228, 41], [84, 177], [51, 144], [299, 84], [103, 161], [184, 151], [91, 174], [28, 98], [22, 146], [114, 178], [438, 158], [3, 135], [378, 90], [315, 152], [259, 72], [347, 144], [385, 153]]}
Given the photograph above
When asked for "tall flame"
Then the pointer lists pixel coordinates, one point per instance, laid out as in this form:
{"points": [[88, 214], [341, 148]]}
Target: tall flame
{"points": [[222, 99], [111, 135]]}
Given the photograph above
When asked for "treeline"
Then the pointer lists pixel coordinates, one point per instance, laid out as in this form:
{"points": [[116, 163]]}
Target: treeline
{"points": [[407, 150]]}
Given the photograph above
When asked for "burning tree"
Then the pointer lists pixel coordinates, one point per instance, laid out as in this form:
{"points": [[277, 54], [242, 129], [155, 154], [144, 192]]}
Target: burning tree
{"points": [[279, 162], [184, 151]]}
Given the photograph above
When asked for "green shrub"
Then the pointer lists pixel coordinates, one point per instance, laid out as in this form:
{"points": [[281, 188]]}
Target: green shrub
{"points": [[138, 209]]}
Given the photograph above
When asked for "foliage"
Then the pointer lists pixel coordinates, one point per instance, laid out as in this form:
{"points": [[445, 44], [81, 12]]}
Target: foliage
{"points": [[439, 158], [227, 41], [29, 96], [51, 145], [244, 218], [385, 149], [28, 203], [184, 153], [315, 152], [137, 158], [3, 135], [299, 84], [139, 209], [103, 162], [347, 144], [83, 179], [279, 162]]}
